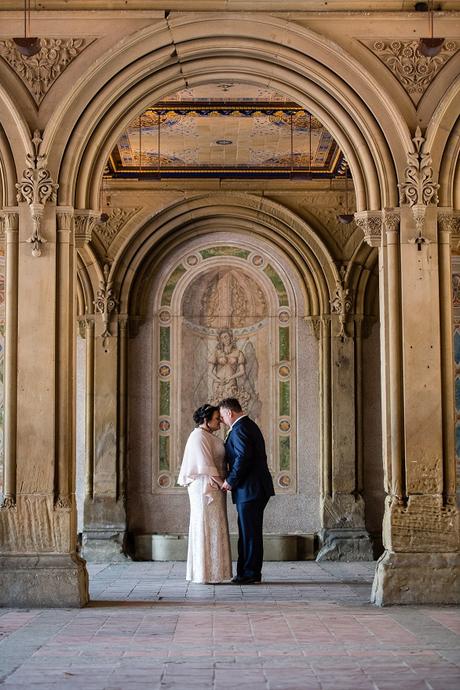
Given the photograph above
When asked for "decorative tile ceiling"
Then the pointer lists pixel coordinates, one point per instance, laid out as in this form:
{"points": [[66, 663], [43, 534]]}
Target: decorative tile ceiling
{"points": [[225, 130]]}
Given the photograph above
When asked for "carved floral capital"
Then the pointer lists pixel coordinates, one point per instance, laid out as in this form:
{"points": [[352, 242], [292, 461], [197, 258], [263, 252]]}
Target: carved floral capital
{"points": [[85, 222], [370, 222]]}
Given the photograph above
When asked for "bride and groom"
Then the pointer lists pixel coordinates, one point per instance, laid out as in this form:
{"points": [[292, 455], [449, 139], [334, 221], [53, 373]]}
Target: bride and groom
{"points": [[209, 469]]}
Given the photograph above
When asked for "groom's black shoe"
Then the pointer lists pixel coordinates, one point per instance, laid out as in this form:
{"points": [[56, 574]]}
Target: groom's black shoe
{"points": [[245, 580]]}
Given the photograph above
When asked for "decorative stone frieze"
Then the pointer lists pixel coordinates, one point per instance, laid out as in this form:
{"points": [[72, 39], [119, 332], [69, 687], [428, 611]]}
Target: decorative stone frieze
{"points": [[40, 71], [370, 222], [36, 189], [85, 223], [414, 71], [118, 217], [106, 302], [418, 190]]}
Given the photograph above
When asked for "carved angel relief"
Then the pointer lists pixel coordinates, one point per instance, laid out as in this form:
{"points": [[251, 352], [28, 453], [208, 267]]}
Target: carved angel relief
{"points": [[40, 71]]}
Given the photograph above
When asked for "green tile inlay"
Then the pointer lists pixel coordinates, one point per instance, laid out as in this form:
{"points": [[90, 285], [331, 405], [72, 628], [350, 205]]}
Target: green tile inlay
{"points": [[164, 452], [285, 404], [171, 284], [278, 285], [165, 397], [165, 350], [284, 343], [224, 251], [285, 452]]}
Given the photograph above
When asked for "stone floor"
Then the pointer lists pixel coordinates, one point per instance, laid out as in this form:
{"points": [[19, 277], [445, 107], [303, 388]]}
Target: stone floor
{"points": [[307, 627]]}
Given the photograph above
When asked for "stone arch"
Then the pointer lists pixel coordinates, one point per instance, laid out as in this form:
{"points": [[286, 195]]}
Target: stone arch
{"points": [[311, 70]]}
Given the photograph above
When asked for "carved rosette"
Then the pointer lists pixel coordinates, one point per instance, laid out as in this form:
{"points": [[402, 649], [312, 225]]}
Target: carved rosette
{"points": [[40, 71], [36, 189], [118, 217], [370, 222], [85, 223], [418, 190], [414, 71], [106, 303]]}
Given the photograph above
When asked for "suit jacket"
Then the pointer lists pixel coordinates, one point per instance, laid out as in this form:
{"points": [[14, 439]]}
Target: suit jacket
{"points": [[248, 474]]}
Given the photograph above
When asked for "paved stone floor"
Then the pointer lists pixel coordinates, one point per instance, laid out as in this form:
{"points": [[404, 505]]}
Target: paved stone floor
{"points": [[308, 626]]}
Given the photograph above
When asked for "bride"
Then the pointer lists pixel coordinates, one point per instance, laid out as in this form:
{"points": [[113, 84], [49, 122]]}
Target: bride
{"points": [[203, 472]]}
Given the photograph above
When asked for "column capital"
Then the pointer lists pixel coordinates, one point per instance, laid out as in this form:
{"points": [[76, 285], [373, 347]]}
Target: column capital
{"points": [[370, 223], [9, 221], [449, 221], [85, 221]]}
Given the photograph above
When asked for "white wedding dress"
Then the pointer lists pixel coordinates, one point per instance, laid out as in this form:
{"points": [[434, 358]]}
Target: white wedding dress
{"points": [[208, 557]]}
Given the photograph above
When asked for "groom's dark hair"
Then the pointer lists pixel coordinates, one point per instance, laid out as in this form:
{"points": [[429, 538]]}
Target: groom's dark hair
{"points": [[231, 404]]}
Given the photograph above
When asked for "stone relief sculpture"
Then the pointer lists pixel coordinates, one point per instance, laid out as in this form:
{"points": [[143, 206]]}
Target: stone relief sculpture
{"points": [[224, 313], [233, 373]]}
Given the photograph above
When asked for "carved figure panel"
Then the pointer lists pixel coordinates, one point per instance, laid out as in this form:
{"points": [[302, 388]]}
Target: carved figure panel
{"points": [[225, 327]]}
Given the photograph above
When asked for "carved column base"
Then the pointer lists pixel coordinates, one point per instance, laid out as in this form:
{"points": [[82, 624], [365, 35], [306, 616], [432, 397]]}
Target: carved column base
{"points": [[345, 545], [104, 531], [417, 578], [43, 581], [104, 546]]}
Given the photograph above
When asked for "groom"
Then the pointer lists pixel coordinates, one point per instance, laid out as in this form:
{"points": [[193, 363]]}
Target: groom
{"points": [[251, 485]]}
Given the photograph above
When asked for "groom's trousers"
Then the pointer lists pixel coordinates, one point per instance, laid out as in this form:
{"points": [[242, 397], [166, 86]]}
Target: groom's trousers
{"points": [[250, 538]]}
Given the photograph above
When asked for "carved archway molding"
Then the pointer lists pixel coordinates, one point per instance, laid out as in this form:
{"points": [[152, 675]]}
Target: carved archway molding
{"points": [[311, 70]]}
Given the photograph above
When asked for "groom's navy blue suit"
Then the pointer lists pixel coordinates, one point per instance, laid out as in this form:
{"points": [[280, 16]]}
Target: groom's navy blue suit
{"points": [[252, 486]]}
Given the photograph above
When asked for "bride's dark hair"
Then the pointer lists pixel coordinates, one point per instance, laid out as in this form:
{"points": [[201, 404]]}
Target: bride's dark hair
{"points": [[204, 414]]}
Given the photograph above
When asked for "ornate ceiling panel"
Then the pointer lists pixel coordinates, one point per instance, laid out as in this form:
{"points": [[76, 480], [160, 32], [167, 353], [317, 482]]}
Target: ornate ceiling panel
{"points": [[225, 130]]}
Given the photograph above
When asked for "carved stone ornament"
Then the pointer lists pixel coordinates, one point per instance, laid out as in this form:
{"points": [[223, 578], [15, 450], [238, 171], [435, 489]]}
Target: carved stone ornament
{"points": [[118, 217], [36, 188], [370, 222], [105, 303], [85, 222], [414, 71], [314, 325], [449, 221], [342, 302], [419, 190], [40, 71]]}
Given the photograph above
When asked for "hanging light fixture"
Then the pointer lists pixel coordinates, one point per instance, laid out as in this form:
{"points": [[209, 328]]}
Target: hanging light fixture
{"points": [[346, 218], [103, 199], [429, 46], [27, 45]]}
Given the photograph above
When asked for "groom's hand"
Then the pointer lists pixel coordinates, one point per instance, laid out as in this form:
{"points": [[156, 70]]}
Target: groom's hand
{"points": [[226, 487]]}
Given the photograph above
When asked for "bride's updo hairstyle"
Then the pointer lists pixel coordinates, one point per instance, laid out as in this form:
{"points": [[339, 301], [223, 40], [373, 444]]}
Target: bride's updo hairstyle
{"points": [[204, 414]]}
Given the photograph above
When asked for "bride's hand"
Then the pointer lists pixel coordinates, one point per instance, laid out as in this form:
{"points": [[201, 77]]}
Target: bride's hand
{"points": [[216, 481]]}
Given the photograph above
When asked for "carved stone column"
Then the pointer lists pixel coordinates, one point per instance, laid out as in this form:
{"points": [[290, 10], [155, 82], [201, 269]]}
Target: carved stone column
{"points": [[38, 561], [104, 530], [343, 535], [421, 527]]}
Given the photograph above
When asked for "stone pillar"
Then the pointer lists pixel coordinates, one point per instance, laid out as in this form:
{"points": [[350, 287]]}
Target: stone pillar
{"points": [[39, 565], [104, 530], [421, 527], [343, 535]]}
